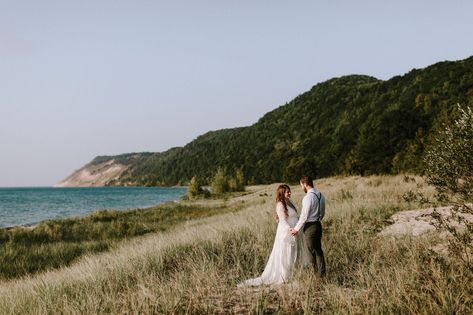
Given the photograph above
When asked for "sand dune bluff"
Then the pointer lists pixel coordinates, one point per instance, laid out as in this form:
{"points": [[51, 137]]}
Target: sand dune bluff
{"points": [[94, 175]]}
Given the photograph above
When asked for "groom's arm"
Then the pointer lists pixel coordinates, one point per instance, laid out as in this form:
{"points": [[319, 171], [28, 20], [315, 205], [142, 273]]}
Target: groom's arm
{"points": [[304, 214]]}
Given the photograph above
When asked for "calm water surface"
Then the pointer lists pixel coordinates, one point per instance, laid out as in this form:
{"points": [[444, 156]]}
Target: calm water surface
{"points": [[20, 206]]}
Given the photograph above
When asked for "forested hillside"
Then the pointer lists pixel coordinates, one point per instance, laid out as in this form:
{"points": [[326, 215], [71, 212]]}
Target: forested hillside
{"points": [[350, 125]]}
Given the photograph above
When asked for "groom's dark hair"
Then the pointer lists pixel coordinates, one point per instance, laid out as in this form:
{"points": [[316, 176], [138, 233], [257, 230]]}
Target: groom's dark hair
{"points": [[307, 180]]}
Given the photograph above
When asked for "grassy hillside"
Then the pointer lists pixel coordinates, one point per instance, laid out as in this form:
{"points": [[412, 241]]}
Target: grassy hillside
{"points": [[58, 243], [194, 268], [350, 125]]}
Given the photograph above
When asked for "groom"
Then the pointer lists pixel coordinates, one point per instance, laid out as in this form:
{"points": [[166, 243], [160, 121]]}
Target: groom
{"points": [[313, 211]]}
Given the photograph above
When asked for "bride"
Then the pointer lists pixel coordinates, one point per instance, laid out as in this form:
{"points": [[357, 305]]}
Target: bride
{"points": [[287, 249]]}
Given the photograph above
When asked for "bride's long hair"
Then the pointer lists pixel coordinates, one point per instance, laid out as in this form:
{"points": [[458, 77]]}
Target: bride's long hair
{"points": [[280, 197]]}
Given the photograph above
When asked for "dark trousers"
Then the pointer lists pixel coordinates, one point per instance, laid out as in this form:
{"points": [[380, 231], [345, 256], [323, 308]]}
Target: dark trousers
{"points": [[313, 242]]}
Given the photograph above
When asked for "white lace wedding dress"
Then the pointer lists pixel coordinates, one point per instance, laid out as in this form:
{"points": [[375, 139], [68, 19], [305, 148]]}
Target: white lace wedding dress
{"points": [[287, 253]]}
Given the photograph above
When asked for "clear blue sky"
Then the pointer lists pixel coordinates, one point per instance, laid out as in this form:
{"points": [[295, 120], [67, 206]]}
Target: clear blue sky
{"points": [[85, 78]]}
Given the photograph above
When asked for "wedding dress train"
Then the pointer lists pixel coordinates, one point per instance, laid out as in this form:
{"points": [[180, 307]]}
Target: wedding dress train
{"points": [[287, 252]]}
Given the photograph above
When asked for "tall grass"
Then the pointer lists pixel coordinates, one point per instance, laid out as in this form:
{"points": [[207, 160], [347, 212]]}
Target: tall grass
{"points": [[194, 268], [57, 243]]}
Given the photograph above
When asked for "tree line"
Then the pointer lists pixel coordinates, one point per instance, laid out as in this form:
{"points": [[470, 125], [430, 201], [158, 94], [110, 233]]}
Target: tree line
{"points": [[349, 125]]}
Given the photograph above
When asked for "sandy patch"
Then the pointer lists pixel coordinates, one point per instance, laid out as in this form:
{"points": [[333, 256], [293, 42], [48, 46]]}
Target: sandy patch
{"points": [[420, 221]]}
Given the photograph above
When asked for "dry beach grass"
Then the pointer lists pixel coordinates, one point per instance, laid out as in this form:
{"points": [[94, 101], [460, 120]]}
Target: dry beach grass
{"points": [[194, 267]]}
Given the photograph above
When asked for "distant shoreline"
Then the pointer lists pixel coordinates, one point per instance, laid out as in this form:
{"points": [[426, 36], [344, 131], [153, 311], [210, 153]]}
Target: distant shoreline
{"points": [[50, 203], [21, 226], [31, 226]]}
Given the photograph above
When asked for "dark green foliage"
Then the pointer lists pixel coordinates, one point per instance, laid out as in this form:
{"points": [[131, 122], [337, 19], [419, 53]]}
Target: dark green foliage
{"points": [[450, 169], [450, 159], [57, 243], [350, 125], [125, 159]]}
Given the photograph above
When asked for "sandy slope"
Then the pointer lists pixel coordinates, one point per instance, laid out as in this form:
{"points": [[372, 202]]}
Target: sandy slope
{"points": [[96, 175]]}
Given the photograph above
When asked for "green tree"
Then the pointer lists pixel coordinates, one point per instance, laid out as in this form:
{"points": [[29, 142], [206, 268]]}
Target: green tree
{"points": [[348, 125], [195, 188], [237, 183], [219, 182], [450, 169], [240, 180], [450, 160]]}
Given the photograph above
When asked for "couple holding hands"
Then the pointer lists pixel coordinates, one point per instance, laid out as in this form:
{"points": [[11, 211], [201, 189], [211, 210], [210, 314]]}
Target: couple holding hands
{"points": [[298, 239]]}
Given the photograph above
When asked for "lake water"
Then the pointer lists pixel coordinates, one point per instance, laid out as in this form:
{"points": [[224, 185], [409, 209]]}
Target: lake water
{"points": [[20, 206]]}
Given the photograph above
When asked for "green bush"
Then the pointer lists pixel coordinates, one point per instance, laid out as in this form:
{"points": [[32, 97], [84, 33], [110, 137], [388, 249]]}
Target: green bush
{"points": [[222, 183], [195, 188], [239, 180], [450, 161], [219, 182], [450, 169]]}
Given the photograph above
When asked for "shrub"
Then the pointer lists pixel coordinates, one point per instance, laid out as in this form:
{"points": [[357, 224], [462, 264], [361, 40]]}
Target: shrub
{"points": [[222, 183], [450, 169], [239, 180], [450, 160], [195, 188], [219, 182]]}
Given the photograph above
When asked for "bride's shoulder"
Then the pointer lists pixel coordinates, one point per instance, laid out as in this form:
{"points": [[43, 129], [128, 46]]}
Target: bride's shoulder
{"points": [[279, 205]]}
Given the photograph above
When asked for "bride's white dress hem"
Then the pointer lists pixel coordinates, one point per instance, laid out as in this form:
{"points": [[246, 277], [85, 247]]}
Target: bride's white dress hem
{"points": [[287, 252]]}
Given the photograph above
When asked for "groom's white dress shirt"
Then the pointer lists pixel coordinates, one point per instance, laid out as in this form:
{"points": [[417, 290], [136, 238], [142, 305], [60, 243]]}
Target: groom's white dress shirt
{"points": [[313, 208]]}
